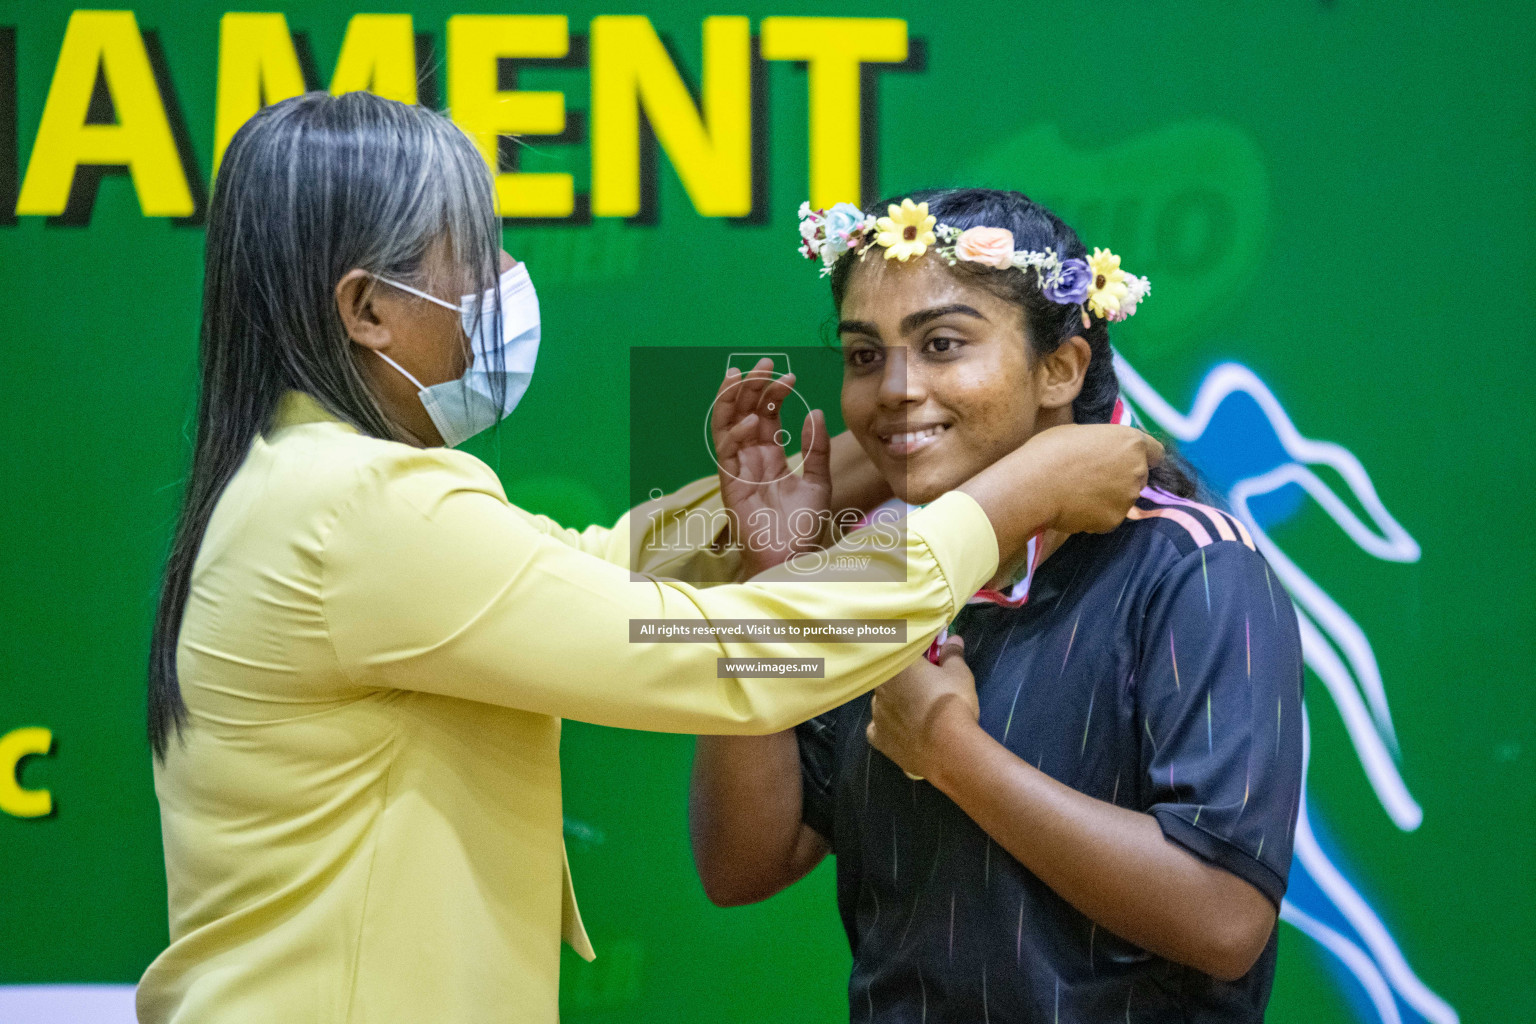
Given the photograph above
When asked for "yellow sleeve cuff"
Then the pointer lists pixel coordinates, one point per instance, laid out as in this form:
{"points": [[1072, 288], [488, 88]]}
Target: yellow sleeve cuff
{"points": [[960, 535]]}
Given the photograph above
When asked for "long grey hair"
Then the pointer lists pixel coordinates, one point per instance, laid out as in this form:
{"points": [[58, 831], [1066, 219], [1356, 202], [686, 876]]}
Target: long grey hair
{"points": [[309, 189]]}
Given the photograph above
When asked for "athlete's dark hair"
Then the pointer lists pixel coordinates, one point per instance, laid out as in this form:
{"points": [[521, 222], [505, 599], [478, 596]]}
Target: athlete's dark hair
{"points": [[1047, 324]]}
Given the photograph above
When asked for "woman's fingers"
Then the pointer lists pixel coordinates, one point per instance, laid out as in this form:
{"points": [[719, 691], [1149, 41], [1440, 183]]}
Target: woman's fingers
{"points": [[772, 400], [752, 384], [770, 405], [739, 396], [742, 394], [762, 370], [729, 443], [722, 413], [951, 647], [816, 442], [733, 404], [746, 422]]}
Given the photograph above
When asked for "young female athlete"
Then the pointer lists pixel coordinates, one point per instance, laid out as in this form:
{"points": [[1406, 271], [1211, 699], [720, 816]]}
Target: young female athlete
{"points": [[1087, 816]]}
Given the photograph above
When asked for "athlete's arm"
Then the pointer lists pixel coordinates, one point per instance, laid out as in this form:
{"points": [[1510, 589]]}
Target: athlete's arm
{"points": [[1111, 863], [744, 817]]}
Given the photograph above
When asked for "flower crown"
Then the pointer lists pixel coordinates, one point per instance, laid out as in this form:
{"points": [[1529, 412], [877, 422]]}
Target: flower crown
{"points": [[1096, 285]]}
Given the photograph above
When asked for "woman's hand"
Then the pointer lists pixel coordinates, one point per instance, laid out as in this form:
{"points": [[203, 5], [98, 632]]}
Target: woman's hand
{"points": [[778, 513], [911, 711], [1097, 471], [1075, 478]]}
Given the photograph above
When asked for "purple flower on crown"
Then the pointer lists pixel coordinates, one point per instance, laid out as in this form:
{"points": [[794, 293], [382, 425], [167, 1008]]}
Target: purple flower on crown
{"points": [[1071, 283]]}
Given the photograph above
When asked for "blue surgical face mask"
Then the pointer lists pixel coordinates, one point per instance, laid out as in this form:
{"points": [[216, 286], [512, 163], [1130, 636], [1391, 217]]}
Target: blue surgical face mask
{"points": [[462, 408]]}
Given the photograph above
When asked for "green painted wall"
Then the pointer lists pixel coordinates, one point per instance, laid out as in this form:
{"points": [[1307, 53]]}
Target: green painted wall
{"points": [[1333, 194]]}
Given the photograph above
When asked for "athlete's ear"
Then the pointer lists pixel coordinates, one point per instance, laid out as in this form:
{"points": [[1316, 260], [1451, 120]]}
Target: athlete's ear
{"points": [[1062, 372]]}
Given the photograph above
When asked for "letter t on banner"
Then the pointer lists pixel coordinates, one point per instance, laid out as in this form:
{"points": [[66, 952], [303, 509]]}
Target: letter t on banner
{"points": [[834, 49]]}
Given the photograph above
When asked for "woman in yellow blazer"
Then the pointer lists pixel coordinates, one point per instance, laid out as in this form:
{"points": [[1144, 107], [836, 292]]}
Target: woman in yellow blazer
{"points": [[363, 651]]}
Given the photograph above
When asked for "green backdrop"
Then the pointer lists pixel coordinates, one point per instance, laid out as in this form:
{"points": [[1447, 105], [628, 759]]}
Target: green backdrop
{"points": [[1332, 200]]}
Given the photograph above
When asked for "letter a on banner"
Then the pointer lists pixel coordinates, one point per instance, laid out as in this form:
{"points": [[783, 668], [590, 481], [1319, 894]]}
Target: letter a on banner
{"points": [[107, 43]]}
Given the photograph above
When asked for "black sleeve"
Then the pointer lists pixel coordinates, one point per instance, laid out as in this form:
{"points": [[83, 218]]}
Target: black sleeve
{"points": [[1218, 692], [818, 746]]}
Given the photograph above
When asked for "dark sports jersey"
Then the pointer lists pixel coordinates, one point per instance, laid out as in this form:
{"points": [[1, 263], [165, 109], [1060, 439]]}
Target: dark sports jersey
{"points": [[1157, 667]]}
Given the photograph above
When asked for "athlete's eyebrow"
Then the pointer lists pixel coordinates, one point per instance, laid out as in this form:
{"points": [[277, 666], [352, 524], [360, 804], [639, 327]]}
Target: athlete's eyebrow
{"points": [[858, 327], [924, 316], [912, 321]]}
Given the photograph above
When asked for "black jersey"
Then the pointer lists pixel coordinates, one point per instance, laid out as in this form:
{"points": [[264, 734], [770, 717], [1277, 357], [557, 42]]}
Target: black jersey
{"points": [[1157, 667]]}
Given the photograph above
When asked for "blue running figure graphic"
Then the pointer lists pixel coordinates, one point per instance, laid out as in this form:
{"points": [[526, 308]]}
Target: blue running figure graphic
{"points": [[1240, 438]]}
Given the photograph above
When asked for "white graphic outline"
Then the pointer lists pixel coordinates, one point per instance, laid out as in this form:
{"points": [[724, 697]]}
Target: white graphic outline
{"points": [[709, 444], [1353, 680]]}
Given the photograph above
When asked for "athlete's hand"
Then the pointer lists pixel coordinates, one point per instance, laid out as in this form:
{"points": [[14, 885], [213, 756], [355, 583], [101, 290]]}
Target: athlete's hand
{"points": [[1095, 472], [778, 513], [910, 710]]}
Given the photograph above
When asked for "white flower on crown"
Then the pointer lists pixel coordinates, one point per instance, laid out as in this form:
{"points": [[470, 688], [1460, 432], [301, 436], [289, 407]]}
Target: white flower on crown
{"points": [[1136, 289], [1046, 263]]}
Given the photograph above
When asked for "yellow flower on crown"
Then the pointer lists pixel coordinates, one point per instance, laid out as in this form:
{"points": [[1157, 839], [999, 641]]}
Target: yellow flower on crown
{"points": [[1107, 286], [907, 232]]}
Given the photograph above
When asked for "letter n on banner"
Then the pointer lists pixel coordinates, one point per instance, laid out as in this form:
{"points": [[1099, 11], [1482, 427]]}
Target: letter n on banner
{"points": [[710, 144]]}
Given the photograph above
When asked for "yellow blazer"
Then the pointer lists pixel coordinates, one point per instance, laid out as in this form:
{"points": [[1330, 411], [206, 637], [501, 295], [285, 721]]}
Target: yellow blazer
{"points": [[363, 822]]}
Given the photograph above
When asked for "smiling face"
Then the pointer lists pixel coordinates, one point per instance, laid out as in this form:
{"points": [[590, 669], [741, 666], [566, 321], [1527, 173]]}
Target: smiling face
{"points": [[938, 378]]}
